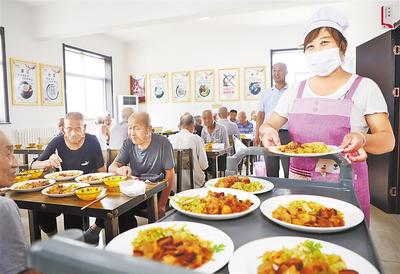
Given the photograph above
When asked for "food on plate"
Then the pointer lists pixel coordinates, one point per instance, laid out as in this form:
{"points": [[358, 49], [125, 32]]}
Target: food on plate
{"points": [[307, 213], [34, 184], [214, 203], [239, 182], [304, 148], [62, 189], [174, 246], [90, 178], [306, 257], [64, 174]]}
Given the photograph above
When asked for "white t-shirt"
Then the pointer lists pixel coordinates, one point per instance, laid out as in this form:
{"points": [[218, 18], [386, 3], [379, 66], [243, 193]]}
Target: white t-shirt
{"points": [[368, 99]]}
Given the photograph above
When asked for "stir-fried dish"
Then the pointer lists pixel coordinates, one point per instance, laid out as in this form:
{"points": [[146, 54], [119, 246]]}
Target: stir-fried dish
{"points": [[91, 178], [308, 213], [305, 258], [35, 184], [214, 203], [62, 189], [305, 148], [239, 182], [174, 246], [65, 174]]}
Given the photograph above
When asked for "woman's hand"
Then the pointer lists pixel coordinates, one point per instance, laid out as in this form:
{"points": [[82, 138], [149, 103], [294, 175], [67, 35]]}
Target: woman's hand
{"points": [[352, 145], [270, 137]]}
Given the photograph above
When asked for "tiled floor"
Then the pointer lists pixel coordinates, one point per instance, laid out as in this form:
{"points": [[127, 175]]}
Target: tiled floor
{"points": [[385, 230]]}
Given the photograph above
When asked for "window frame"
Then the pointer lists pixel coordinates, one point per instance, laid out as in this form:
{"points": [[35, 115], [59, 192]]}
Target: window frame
{"points": [[272, 51], [4, 64], [108, 85]]}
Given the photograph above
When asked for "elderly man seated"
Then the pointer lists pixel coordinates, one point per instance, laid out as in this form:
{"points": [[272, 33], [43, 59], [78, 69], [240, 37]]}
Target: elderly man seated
{"points": [[186, 139], [231, 127], [142, 154], [13, 246], [245, 127], [119, 132], [75, 150]]}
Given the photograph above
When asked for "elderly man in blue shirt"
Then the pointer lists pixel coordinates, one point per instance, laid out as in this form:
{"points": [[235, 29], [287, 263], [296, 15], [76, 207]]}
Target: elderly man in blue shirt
{"points": [[266, 106]]}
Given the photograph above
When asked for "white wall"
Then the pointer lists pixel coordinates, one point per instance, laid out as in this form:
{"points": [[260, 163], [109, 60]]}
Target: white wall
{"points": [[195, 47], [21, 44]]}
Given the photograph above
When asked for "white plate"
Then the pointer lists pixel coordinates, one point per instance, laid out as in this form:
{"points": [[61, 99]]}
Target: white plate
{"points": [[247, 258], [45, 191], [202, 192], [352, 215], [51, 175], [51, 181], [267, 185], [102, 174], [332, 150], [122, 243]]}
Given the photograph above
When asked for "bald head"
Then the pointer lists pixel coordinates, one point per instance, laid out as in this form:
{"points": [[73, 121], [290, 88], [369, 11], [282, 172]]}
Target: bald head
{"points": [[126, 113], [75, 116], [223, 112], [7, 161], [141, 118]]}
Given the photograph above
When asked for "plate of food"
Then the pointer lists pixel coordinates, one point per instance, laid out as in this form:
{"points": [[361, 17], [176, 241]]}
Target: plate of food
{"points": [[314, 149], [32, 185], [297, 255], [62, 190], [311, 213], [215, 203], [195, 246], [64, 175], [93, 178], [245, 183]]}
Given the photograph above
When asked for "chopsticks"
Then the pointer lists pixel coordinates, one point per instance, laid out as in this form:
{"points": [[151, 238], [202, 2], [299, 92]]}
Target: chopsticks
{"points": [[95, 201], [60, 168]]}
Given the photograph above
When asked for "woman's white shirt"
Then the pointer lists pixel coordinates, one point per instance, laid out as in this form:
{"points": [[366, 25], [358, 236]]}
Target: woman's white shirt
{"points": [[368, 99]]}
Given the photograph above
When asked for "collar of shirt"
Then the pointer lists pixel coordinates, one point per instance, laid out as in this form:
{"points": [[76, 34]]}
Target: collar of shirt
{"points": [[283, 89]]}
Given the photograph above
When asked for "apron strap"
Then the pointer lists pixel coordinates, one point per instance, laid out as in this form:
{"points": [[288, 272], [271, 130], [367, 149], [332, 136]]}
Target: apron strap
{"points": [[301, 89], [353, 87]]}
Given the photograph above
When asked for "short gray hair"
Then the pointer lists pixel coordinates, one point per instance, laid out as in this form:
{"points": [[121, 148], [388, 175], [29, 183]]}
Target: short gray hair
{"points": [[142, 117], [207, 111], [126, 113], [280, 64], [75, 116], [223, 112], [186, 120]]}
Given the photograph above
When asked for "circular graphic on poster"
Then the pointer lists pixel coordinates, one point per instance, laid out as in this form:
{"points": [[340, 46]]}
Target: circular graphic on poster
{"points": [[52, 92], [25, 89], [204, 91], [159, 92], [180, 91], [254, 88]]}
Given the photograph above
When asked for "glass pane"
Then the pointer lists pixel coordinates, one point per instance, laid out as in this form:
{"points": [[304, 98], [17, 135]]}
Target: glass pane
{"points": [[93, 66], [76, 94], [73, 62], [95, 104], [2, 89]]}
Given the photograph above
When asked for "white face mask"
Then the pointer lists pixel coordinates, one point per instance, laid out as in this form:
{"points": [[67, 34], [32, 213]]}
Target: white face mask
{"points": [[323, 63]]}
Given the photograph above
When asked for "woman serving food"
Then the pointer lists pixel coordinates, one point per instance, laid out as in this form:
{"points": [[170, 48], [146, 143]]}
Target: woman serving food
{"points": [[334, 106]]}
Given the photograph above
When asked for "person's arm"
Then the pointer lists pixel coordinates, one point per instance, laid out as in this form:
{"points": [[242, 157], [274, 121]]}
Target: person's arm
{"points": [[201, 154], [269, 130], [381, 139], [119, 165], [120, 169], [259, 122], [169, 176], [48, 158]]}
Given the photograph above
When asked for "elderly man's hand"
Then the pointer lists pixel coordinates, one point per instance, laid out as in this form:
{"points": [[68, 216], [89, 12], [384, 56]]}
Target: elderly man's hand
{"points": [[54, 161], [124, 170]]}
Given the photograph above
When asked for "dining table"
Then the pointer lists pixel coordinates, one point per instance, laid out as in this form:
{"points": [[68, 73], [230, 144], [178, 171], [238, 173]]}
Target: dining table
{"points": [[214, 154], [109, 208], [25, 152]]}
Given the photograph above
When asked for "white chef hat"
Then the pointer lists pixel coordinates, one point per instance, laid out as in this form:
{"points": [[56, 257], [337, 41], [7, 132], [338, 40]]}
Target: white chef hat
{"points": [[326, 17]]}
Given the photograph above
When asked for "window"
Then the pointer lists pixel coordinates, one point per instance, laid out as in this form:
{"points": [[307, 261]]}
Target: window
{"points": [[4, 115], [295, 62], [88, 82]]}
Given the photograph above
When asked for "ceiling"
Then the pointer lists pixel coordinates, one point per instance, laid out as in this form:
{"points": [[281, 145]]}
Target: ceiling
{"points": [[129, 20]]}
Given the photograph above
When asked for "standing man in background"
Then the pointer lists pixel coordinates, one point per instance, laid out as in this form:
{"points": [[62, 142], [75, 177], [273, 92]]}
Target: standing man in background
{"points": [[265, 108], [233, 115]]}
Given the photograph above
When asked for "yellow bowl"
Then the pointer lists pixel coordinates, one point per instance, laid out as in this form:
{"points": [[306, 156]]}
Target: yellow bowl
{"points": [[88, 193], [18, 146], [113, 181], [39, 146], [22, 178], [35, 173]]}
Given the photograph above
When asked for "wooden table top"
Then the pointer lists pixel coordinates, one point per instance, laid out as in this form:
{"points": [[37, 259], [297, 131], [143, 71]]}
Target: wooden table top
{"points": [[218, 152]]}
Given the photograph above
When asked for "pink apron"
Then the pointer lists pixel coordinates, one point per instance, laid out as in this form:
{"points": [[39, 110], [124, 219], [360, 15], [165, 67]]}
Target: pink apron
{"points": [[326, 120]]}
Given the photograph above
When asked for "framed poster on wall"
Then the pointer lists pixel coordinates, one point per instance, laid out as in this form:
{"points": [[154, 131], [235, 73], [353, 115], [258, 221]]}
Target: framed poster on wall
{"points": [[24, 83], [51, 85], [159, 87], [229, 84], [180, 86], [254, 82], [204, 85], [137, 86]]}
